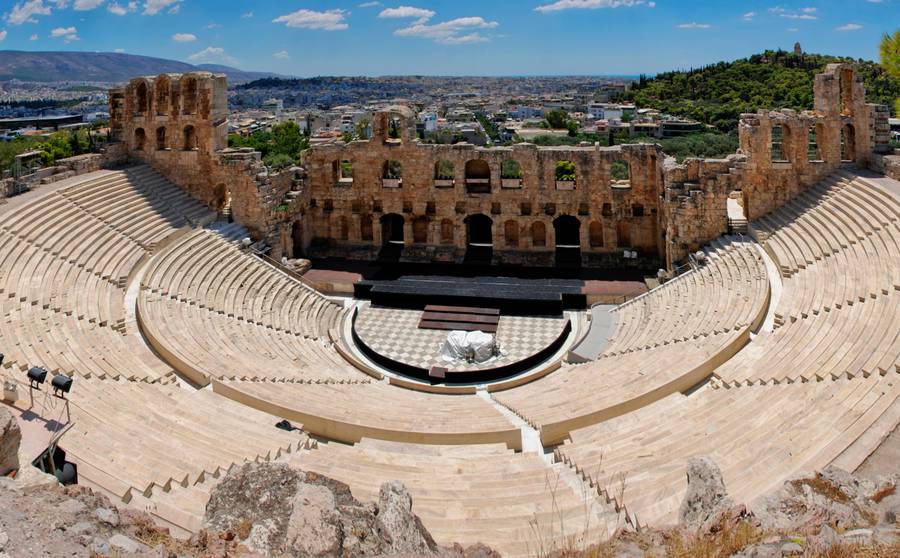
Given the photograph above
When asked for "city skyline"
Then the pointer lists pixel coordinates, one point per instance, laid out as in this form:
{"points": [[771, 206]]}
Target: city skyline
{"points": [[533, 37]]}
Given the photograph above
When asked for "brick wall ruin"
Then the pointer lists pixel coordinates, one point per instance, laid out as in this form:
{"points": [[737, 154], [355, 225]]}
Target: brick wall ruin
{"points": [[441, 203]]}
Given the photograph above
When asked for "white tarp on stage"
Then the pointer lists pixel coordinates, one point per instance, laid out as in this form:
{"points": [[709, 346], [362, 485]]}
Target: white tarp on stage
{"points": [[471, 346]]}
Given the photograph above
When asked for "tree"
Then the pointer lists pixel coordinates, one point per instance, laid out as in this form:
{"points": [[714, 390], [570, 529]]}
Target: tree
{"points": [[557, 119], [890, 59]]}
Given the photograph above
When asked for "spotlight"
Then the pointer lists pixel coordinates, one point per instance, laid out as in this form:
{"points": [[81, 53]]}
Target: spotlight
{"points": [[61, 385], [37, 376]]}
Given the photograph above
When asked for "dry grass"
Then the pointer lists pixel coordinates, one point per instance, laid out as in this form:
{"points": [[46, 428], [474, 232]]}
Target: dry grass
{"points": [[884, 493], [823, 487], [722, 543], [860, 551]]}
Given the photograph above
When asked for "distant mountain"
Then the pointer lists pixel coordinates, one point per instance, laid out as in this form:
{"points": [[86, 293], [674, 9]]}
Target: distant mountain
{"points": [[110, 67]]}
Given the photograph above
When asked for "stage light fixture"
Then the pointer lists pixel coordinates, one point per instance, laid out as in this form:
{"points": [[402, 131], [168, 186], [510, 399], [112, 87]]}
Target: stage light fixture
{"points": [[37, 376], [62, 384]]}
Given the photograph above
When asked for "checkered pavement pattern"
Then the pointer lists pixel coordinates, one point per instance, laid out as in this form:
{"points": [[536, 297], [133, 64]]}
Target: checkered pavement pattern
{"points": [[395, 334]]}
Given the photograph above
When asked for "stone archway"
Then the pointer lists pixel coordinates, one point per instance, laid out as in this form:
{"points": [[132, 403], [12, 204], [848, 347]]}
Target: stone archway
{"points": [[479, 239], [567, 233]]}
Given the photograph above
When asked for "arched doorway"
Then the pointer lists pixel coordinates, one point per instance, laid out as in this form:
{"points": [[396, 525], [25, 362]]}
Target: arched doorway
{"points": [[567, 231], [479, 239], [391, 237]]}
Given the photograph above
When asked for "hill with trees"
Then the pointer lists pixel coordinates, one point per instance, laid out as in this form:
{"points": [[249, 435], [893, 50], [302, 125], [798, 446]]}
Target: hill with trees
{"points": [[719, 93]]}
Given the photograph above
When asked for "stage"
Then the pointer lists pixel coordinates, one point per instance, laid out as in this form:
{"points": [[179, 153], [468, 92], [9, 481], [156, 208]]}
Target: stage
{"points": [[391, 337]]}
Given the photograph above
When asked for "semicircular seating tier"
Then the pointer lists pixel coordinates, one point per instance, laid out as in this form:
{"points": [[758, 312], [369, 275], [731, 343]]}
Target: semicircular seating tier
{"points": [[214, 311], [840, 312], [65, 259], [652, 354], [822, 388]]}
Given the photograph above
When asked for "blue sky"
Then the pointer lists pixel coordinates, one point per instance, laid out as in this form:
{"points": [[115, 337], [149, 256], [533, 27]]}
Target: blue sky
{"points": [[448, 37]]}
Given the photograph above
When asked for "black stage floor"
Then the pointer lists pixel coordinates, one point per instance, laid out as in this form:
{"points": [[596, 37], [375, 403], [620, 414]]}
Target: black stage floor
{"points": [[512, 295]]}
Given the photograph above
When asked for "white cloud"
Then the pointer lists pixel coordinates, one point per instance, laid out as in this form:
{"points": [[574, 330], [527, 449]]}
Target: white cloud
{"points": [[118, 9], [454, 32], [850, 27], [282, 55], [792, 29], [560, 5], [370, 4], [24, 12], [694, 25], [749, 16], [85, 5], [247, 15], [3, 35], [68, 34], [184, 37], [802, 13], [405, 12], [212, 26], [213, 55], [153, 7], [119, 50], [330, 20], [33, 37]]}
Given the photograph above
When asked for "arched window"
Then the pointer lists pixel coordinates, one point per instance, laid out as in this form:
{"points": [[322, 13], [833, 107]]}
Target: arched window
{"points": [[848, 143], [478, 177], [394, 129], [566, 173], [443, 173], [365, 228], [161, 138], [446, 231], [538, 234], [342, 173], [511, 234], [595, 232], [620, 174], [812, 148], [142, 99], [140, 139], [190, 138], [163, 91], [780, 142], [188, 95], [511, 174], [392, 174], [420, 230]]}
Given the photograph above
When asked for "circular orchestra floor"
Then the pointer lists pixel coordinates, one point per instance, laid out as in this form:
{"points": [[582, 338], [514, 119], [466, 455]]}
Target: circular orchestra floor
{"points": [[393, 334]]}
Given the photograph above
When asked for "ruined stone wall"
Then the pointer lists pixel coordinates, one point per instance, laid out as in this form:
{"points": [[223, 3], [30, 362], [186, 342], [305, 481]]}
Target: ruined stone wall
{"points": [[344, 215], [782, 153], [111, 156], [178, 125], [438, 196]]}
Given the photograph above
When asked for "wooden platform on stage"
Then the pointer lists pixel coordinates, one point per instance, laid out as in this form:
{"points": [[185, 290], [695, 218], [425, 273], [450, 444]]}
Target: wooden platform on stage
{"points": [[460, 318]]}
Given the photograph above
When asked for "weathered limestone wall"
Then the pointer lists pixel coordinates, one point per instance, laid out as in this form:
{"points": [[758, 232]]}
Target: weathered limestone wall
{"points": [[345, 216], [662, 212]]}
